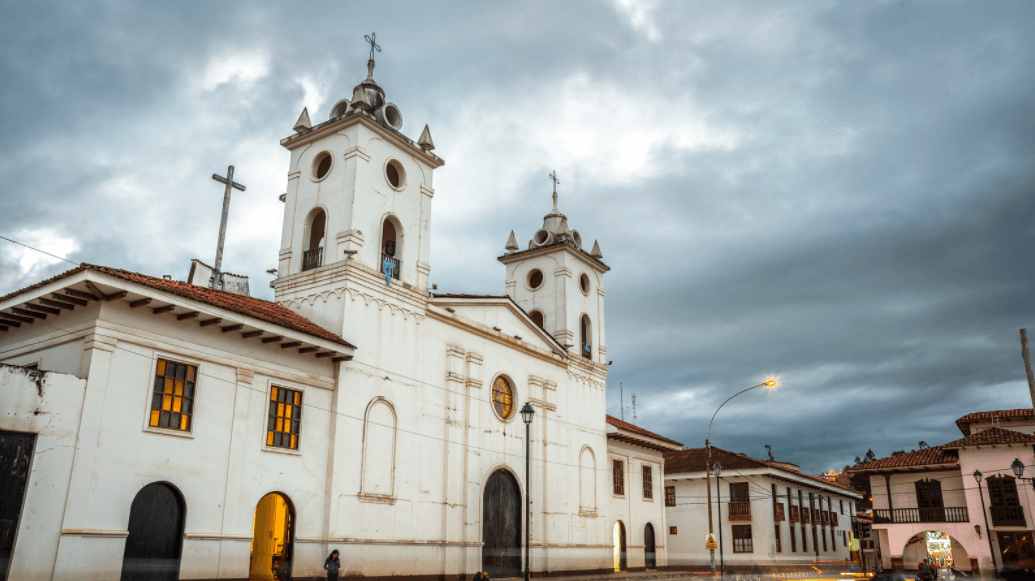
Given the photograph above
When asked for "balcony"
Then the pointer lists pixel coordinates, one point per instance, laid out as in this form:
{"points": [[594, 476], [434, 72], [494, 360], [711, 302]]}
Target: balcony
{"points": [[740, 511], [833, 519], [390, 264], [1007, 516], [805, 514], [919, 515], [794, 514], [312, 258], [778, 515]]}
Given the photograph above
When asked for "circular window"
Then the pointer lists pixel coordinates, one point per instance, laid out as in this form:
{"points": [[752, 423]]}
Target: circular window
{"points": [[322, 165], [584, 283], [535, 279], [395, 174], [502, 398]]}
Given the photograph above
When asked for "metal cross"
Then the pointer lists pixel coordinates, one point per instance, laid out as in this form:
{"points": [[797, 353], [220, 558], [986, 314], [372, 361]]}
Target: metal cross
{"points": [[553, 176], [372, 39], [217, 276]]}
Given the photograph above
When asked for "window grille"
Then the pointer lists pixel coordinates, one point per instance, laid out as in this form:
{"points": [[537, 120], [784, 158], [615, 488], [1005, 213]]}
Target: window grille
{"points": [[285, 418], [172, 402]]}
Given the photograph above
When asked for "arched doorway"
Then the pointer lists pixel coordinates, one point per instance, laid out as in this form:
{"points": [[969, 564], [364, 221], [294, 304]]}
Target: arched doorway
{"points": [[501, 525], [941, 551], [621, 563], [650, 556], [273, 538], [155, 538]]}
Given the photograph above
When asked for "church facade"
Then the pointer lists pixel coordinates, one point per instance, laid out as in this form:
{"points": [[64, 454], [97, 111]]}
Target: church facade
{"points": [[160, 430]]}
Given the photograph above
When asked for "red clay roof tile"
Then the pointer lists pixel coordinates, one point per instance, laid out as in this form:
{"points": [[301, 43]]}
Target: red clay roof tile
{"points": [[925, 457], [991, 436], [638, 430], [1016, 414]]}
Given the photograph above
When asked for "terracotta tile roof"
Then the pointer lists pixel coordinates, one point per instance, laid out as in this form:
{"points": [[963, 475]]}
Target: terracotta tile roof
{"points": [[992, 436], [696, 459], [1017, 414], [638, 430], [925, 457], [260, 309]]}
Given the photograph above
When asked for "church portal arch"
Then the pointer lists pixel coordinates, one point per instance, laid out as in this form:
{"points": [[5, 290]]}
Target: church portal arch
{"points": [[379, 430], [155, 541], [621, 559], [587, 479], [501, 525], [649, 551], [273, 538]]}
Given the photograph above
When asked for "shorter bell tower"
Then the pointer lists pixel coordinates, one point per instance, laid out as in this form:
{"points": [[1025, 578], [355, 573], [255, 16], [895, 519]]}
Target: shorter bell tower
{"points": [[560, 285]]}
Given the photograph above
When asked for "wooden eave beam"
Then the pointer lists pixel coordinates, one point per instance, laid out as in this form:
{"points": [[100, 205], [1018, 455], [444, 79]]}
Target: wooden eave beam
{"points": [[30, 314], [210, 322], [80, 295], [341, 358], [98, 294], [185, 316], [10, 322], [3, 328], [20, 319], [250, 334], [41, 309], [290, 344], [57, 304], [116, 296], [140, 303], [324, 354], [163, 309], [274, 339], [307, 349], [230, 328], [69, 298]]}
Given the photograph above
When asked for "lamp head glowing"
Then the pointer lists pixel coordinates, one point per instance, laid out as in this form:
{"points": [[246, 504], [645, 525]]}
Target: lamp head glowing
{"points": [[770, 383]]}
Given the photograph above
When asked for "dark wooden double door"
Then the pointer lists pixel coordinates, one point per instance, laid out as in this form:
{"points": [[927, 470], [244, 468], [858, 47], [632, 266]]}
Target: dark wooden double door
{"points": [[501, 526], [155, 538], [15, 458]]}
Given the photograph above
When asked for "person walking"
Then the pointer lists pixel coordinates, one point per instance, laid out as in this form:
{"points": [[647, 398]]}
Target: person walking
{"points": [[332, 565], [924, 572]]}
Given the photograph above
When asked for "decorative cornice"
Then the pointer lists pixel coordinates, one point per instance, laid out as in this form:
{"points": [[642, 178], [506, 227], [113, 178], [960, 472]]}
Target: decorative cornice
{"points": [[357, 151], [245, 376], [497, 337], [368, 298], [562, 271]]}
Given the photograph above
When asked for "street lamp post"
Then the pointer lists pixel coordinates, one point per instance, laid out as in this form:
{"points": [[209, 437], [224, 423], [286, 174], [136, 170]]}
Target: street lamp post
{"points": [[526, 415], [708, 476], [988, 532], [717, 468]]}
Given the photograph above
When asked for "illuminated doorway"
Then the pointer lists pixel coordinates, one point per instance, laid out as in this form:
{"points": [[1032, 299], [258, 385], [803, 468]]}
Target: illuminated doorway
{"points": [[272, 539], [943, 552], [619, 539]]}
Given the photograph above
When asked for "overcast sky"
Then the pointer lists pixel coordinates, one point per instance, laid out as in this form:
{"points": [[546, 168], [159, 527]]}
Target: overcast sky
{"points": [[839, 194]]}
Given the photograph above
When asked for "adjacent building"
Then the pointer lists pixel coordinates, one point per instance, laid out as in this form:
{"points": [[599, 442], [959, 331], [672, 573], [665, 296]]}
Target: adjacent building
{"points": [[770, 515], [960, 504]]}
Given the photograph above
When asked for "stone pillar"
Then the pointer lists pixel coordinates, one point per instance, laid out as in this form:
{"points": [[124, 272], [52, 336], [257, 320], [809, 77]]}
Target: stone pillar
{"points": [[235, 515], [567, 323]]}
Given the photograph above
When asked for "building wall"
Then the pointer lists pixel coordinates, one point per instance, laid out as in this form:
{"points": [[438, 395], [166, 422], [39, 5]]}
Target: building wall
{"points": [[633, 508]]}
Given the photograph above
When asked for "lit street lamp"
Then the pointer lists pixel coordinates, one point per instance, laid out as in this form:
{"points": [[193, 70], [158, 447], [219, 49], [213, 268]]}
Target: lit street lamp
{"points": [[984, 513], [526, 415]]}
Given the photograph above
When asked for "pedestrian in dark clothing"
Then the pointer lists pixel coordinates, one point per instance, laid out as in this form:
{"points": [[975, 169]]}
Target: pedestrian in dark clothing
{"points": [[477, 576], [332, 564]]}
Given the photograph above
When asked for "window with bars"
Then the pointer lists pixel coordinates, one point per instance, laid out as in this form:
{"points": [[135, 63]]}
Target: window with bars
{"points": [[648, 482], [618, 475], [794, 546], [285, 418], [742, 539], [172, 402], [779, 546], [670, 496]]}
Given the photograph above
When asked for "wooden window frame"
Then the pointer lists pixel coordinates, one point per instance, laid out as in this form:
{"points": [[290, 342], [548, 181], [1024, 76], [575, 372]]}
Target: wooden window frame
{"points": [[742, 544], [804, 539], [279, 413], [192, 400], [776, 531], [794, 543], [647, 475], [670, 496], [618, 476]]}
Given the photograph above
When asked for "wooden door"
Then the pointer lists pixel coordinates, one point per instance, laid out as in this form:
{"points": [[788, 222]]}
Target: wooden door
{"points": [[501, 526], [651, 559], [15, 457], [155, 535]]}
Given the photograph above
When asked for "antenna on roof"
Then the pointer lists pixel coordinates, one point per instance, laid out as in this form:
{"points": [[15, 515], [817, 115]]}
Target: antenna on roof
{"points": [[621, 394], [634, 408]]}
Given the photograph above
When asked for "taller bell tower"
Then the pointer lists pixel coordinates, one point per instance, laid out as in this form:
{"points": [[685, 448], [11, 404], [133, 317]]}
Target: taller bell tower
{"points": [[357, 206]]}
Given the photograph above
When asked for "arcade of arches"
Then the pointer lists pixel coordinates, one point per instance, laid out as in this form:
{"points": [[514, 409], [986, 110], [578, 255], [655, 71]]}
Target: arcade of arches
{"points": [[941, 550]]}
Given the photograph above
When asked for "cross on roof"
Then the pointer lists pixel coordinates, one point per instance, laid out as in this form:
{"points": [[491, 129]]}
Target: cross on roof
{"points": [[553, 177], [217, 277], [372, 39]]}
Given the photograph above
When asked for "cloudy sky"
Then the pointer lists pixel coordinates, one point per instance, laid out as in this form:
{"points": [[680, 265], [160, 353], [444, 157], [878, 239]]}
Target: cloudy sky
{"points": [[839, 194]]}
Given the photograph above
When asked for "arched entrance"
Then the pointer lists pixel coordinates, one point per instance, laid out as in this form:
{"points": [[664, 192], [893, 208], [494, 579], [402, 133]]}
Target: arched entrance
{"points": [[155, 534], [941, 551], [650, 556], [621, 562], [501, 526], [273, 538]]}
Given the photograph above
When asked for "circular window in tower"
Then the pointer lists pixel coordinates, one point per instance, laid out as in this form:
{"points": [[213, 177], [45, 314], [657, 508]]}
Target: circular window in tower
{"points": [[584, 283], [535, 279], [322, 165], [395, 174], [502, 398]]}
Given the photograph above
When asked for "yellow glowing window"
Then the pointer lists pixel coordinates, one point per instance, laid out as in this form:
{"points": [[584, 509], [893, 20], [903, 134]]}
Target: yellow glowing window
{"points": [[285, 420], [502, 397], [172, 402]]}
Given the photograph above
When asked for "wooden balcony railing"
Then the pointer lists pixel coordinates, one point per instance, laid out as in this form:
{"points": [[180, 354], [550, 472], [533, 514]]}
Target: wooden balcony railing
{"points": [[805, 513], [794, 514], [778, 514], [918, 515], [740, 511], [1008, 516], [312, 258], [824, 517]]}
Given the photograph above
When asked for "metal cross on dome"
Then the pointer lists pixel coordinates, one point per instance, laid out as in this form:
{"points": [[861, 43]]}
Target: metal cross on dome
{"points": [[553, 177], [372, 39]]}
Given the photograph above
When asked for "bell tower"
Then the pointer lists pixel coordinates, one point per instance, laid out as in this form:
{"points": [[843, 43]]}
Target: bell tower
{"points": [[560, 285], [357, 206]]}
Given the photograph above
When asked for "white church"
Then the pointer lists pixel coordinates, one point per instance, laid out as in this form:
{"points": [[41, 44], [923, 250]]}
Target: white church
{"points": [[157, 429]]}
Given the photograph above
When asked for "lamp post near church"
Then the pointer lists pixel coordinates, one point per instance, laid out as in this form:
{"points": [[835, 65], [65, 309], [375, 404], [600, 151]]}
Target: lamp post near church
{"points": [[526, 415], [988, 531]]}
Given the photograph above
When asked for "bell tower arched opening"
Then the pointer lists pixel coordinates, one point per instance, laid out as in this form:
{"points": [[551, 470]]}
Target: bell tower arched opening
{"points": [[586, 337], [391, 247], [316, 230]]}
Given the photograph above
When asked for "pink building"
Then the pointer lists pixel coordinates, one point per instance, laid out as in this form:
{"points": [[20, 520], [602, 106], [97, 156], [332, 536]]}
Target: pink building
{"points": [[961, 503]]}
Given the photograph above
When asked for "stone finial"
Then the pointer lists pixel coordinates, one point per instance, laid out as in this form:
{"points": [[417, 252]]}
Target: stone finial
{"points": [[596, 251], [427, 143], [360, 99], [303, 122], [512, 245]]}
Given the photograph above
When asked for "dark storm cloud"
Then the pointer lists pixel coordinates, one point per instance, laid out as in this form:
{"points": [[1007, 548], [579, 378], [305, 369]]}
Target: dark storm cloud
{"points": [[839, 194]]}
